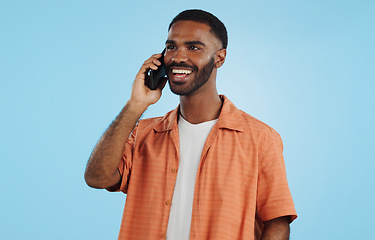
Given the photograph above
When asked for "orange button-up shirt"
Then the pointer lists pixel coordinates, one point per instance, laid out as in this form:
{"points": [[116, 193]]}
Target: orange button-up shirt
{"points": [[241, 179]]}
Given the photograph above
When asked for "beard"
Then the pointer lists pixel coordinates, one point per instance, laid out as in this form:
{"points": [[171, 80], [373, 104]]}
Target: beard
{"points": [[201, 78]]}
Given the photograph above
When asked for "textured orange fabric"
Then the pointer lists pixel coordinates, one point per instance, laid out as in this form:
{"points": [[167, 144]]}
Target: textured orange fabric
{"points": [[241, 179]]}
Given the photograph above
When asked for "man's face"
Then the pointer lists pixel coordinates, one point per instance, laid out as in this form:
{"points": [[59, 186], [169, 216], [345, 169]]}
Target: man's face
{"points": [[190, 56]]}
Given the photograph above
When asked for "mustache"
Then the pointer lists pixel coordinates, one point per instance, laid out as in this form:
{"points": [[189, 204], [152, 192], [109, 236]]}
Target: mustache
{"points": [[183, 65]]}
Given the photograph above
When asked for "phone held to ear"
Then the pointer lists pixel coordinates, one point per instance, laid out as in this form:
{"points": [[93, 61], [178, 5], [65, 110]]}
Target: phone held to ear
{"points": [[156, 76]]}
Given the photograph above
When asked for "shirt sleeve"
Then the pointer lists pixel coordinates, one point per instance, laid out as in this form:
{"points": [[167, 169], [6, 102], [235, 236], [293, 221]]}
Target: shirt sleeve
{"points": [[125, 165], [274, 198]]}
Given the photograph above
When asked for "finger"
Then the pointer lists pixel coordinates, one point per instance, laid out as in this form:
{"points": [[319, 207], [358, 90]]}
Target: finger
{"points": [[157, 55], [156, 61], [146, 66], [153, 60], [151, 63]]}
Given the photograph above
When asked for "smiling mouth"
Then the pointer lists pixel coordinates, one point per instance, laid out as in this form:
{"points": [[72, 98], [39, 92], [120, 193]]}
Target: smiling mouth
{"points": [[181, 72]]}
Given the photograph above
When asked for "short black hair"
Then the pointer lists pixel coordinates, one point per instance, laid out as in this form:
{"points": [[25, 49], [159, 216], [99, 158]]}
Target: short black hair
{"points": [[201, 16]]}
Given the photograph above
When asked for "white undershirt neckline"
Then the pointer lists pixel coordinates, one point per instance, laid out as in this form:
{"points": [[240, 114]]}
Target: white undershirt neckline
{"points": [[192, 138]]}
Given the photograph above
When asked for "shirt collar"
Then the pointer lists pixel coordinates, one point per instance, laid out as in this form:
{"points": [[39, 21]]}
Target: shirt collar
{"points": [[229, 118]]}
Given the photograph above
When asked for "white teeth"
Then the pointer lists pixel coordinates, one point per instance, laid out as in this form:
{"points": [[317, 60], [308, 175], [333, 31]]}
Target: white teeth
{"points": [[181, 71]]}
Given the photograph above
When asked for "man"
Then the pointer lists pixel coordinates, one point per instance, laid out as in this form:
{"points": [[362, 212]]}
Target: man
{"points": [[205, 170]]}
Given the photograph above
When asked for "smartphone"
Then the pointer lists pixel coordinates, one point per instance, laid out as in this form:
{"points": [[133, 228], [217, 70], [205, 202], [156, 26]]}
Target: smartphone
{"points": [[156, 76]]}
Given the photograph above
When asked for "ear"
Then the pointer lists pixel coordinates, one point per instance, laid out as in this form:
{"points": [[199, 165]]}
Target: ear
{"points": [[220, 57]]}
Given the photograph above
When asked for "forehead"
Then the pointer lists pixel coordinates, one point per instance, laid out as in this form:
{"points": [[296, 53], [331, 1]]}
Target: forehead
{"points": [[184, 31]]}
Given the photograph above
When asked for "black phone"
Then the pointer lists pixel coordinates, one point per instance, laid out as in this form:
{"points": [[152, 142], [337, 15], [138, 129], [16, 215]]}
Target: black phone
{"points": [[155, 76]]}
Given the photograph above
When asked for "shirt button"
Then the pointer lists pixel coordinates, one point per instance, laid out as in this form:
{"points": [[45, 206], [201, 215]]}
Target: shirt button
{"points": [[173, 170], [162, 235], [168, 202]]}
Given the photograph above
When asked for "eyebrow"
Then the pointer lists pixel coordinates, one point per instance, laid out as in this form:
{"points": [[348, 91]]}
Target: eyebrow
{"points": [[187, 43]]}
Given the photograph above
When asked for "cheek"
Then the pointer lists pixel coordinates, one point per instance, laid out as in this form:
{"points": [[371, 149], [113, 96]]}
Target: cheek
{"points": [[202, 62], [167, 58]]}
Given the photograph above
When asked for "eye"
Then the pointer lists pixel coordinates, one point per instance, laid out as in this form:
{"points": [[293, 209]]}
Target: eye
{"points": [[194, 48], [170, 47]]}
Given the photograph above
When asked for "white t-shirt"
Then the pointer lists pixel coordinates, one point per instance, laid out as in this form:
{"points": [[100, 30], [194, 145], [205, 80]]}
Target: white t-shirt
{"points": [[192, 139]]}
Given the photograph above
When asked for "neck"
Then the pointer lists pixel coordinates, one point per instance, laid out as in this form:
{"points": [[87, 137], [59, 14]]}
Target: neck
{"points": [[200, 108]]}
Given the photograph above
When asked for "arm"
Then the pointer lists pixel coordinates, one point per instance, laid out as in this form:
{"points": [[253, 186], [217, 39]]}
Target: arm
{"points": [[101, 170], [274, 200], [276, 229]]}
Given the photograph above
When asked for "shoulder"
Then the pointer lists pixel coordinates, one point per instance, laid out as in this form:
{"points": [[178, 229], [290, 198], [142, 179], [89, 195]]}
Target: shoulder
{"points": [[255, 124], [162, 123], [242, 121], [149, 122]]}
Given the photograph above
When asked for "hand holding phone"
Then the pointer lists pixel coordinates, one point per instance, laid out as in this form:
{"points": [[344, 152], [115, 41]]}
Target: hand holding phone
{"points": [[156, 76]]}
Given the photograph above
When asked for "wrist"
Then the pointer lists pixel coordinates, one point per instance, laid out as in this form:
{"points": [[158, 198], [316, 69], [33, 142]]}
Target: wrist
{"points": [[136, 106]]}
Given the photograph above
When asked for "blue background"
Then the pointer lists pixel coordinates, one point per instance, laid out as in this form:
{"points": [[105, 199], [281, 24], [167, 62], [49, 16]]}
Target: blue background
{"points": [[306, 68]]}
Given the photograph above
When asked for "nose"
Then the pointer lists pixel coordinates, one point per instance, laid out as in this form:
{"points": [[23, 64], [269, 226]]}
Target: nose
{"points": [[180, 56]]}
